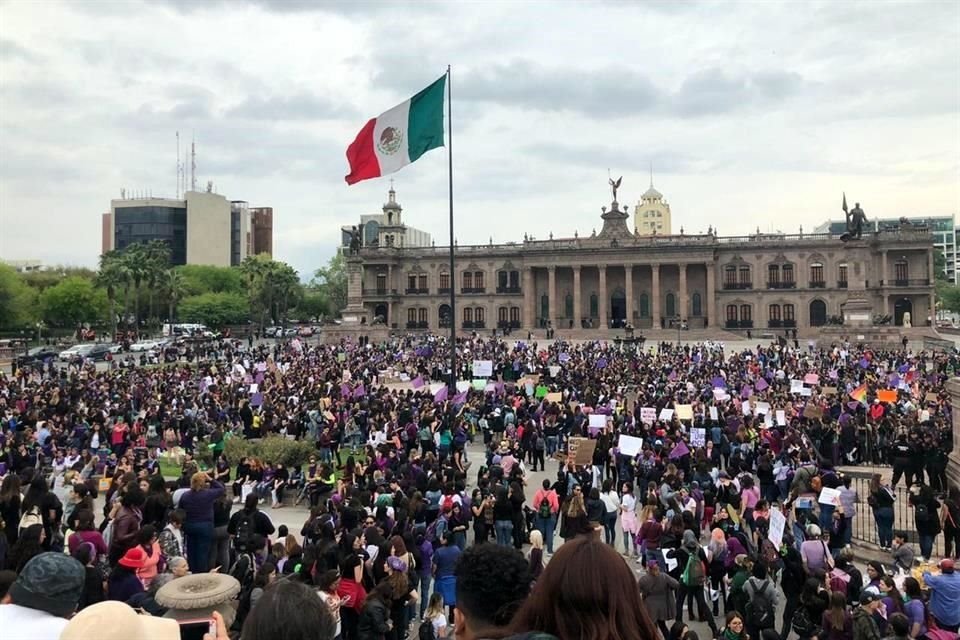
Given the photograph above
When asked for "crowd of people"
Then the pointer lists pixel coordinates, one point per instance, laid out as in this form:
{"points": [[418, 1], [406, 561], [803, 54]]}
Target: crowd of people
{"points": [[707, 476]]}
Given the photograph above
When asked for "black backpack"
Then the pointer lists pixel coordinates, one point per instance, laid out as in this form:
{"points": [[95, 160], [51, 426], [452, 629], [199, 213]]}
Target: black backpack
{"points": [[426, 632], [760, 614], [245, 531]]}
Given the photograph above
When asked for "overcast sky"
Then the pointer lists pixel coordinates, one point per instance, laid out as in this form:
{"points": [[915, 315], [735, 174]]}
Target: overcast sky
{"points": [[753, 114]]}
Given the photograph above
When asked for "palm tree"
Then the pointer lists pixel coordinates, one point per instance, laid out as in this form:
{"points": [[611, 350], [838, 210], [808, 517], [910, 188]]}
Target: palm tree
{"points": [[111, 277], [176, 289], [156, 264], [136, 259]]}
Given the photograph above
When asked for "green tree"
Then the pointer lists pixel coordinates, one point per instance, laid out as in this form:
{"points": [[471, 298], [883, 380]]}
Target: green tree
{"points": [[175, 288], [199, 279], [40, 280], [18, 301], [313, 305], [215, 309], [72, 302], [332, 281], [273, 288], [948, 296], [939, 265], [157, 261], [112, 277]]}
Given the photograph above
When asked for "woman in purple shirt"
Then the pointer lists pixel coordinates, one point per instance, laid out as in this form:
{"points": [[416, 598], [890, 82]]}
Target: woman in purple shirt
{"points": [[198, 526]]}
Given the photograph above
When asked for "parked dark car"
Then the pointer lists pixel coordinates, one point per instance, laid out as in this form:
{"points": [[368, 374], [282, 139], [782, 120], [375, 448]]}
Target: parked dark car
{"points": [[37, 354], [99, 352]]}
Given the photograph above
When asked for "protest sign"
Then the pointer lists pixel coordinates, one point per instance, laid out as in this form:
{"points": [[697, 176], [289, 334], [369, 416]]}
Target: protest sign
{"points": [[811, 378], [777, 524], [541, 392], [597, 421], [666, 415], [887, 395], [554, 397], [482, 368], [698, 437], [580, 451], [781, 418], [796, 386], [829, 496], [629, 445], [714, 414], [648, 415], [684, 411]]}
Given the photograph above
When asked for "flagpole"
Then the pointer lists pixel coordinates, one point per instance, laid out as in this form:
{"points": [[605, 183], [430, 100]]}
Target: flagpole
{"points": [[453, 273]]}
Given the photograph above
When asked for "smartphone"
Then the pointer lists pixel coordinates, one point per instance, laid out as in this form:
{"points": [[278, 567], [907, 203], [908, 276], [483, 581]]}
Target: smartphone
{"points": [[196, 629]]}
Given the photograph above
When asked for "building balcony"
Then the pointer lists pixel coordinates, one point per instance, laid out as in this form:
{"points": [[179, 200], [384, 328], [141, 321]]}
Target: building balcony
{"points": [[417, 325], [508, 289], [790, 323], [907, 282], [818, 284], [416, 291], [444, 323], [508, 324], [739, 324], [782, 285], [378, 291], [443, 290], [473, 290], [841, 284], [737, 286], [774, 324], [474, 325]]}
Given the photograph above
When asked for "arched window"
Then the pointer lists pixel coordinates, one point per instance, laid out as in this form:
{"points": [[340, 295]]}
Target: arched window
{"points": [[502, 317], [478, 280], [730, 277], [644, 305], [568, 306], [773, 275], [745, 281], [515, 316], [594, 305], [697, 306], [789, 315], [671, 305], [746, 315], [842, 275], [773, 315], [444, 281], [443, 315], [818, 313], [731, 315], [787, 273], [479, 317], [468, 315], [411, 316], [816, 275], [468, 280], [901, 272]]}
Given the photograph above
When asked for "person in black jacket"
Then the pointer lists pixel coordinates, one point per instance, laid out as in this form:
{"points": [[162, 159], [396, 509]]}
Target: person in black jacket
{"points": [[248, 522]]}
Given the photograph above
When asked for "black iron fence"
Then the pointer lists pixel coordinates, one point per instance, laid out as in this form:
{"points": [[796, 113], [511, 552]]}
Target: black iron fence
{"points": [[865, 526]]}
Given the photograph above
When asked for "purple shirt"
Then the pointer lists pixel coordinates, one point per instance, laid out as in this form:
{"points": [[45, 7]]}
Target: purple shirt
{"points": [[199, 504]]}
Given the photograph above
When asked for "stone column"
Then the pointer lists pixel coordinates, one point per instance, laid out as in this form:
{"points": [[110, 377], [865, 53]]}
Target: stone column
{"points": [[552, 294], [529, 298], [628, 284], [953, 460], [884, 277], [683, 292], [577, 309], [712, 295], [602, 295], [655, 295]]}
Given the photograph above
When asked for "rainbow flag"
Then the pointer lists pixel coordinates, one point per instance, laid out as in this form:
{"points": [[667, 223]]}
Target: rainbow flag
{"points": [[860, 394]]}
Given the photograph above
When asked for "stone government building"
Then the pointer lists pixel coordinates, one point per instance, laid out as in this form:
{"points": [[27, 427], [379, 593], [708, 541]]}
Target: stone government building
{"points": [[588, 286]]}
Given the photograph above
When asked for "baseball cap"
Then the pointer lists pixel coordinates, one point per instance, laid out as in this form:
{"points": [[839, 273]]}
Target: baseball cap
{"points": [[50, 582], [112, 620], [397, 564], [868, 596]]}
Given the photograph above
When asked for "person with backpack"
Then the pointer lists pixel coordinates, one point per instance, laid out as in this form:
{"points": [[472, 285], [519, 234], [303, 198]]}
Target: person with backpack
{"points": [[691, 556], [247, 523], [762, 601], [547, 503], [434, 625]]}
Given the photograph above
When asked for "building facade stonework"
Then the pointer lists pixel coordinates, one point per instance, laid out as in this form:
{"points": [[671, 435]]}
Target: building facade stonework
{"points": [[615, 277]]}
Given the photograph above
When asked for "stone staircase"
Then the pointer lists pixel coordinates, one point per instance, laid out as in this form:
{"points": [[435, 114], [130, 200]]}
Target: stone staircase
{"points": [[652, 336]]}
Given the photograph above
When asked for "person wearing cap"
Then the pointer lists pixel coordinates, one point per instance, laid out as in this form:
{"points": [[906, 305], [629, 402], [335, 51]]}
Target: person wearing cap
{"points": [[864, 626], [945, 595], [123, 583], [42, 597], [110, 620]]}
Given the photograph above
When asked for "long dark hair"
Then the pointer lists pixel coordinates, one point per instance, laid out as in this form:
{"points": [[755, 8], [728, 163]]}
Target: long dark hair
{"points": [[588, 591], [28, 545], [289, 610]]}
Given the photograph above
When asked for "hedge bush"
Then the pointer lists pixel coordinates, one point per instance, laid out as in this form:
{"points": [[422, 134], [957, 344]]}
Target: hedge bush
{"points": [[272, 449]]}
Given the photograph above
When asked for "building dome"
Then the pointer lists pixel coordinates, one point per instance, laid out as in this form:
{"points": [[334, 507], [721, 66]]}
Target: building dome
{"points": [[652, 193]]}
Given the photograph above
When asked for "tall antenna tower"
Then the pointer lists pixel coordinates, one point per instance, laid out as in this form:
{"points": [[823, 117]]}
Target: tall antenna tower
{"points": [[178, 165], [193, 166]]}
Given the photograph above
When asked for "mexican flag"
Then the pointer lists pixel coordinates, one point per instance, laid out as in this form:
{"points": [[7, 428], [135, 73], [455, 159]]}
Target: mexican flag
{"points": [[399, 136]]}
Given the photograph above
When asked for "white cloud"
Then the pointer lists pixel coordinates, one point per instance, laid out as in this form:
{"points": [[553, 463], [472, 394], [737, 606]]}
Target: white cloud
{"points": [[754, 114]]}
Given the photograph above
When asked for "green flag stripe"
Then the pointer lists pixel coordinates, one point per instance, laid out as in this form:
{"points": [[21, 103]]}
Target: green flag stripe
{"points": [[425, 128]]}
